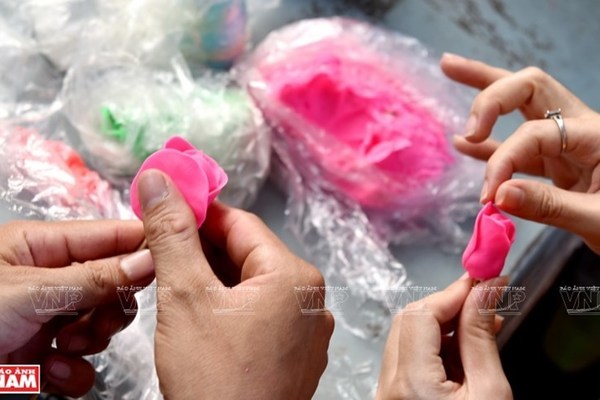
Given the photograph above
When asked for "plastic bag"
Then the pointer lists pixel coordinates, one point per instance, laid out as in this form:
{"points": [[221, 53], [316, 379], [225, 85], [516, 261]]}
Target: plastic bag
{"points": [[126, 370], [208, 32], [125, 111], [41, 176], [367, 116], [362, 123], [27, 80]]}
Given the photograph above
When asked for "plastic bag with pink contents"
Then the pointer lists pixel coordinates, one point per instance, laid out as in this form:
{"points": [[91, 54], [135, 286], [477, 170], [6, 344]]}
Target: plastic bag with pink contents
{"points": [[366, 115], [363, 120]]}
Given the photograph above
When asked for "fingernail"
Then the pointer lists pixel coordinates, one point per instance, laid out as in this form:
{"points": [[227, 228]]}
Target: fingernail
{"points": [[447, 54], [500, 319], [152, 188], [60, 370], [484, 193], [137, 265], [510, 197], [77, 343], [470, 126]]}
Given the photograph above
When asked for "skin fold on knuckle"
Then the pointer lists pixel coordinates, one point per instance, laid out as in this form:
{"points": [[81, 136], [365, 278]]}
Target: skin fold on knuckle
{"points": [[99, 275], [167, 227], [547, 207], [538, 79], [481, 328]]}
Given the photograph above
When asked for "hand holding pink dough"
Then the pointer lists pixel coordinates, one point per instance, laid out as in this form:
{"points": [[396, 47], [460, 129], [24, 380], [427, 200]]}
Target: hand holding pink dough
{"points": [[492, 237], [197, 176]]}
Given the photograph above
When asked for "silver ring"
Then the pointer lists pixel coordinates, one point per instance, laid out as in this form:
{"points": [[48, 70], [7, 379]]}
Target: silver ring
{"points": [[557, 117]]}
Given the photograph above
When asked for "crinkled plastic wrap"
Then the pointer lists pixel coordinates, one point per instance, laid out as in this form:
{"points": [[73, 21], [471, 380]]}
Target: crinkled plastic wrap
{"points": [[27, 79], [347, 379], [125, 370], [343, 244], [124, 111], [363, 120], [208, 32], [41, 176], [367, 116]]}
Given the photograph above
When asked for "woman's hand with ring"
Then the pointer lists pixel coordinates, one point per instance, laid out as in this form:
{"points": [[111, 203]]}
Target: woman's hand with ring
{"points": [[535, 148]]}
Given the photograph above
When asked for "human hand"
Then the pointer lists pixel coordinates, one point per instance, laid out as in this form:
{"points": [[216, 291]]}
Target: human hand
{"points": [[534, 148], [49, 289], [423, 360], [269, 349]]}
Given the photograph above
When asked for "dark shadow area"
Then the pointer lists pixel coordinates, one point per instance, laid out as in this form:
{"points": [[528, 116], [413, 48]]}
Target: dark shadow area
{"points": [[555, 352]]}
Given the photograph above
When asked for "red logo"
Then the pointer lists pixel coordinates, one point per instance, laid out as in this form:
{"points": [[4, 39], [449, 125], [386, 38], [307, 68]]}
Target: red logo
{"points": [[19, 378]]}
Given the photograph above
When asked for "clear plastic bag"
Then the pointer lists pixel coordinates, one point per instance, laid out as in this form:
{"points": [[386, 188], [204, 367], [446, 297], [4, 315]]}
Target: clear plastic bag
{"points": [[125, 370], [41, 176], [363, 120], [208, 32], [27, 80], [366, 115], [124, 111]]}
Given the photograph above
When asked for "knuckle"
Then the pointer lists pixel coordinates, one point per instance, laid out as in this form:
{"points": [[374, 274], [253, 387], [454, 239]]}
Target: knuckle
{"points": [[251, 217], [548, 208], [314, 277], [167, 225], [482, 328], [98, 274], [536, 74], [247, 216]]}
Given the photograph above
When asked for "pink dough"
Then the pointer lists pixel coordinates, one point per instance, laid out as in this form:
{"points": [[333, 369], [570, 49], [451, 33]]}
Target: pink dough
{"points": [[368, 119], [197, 176], [492, 237]]}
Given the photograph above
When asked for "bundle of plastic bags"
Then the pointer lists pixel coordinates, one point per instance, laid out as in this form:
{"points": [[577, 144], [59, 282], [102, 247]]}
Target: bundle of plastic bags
{"points": [[208, 32]]}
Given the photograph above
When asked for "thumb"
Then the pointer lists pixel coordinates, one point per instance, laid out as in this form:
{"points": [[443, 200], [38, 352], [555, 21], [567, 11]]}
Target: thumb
{"points": [[540, 202], [171, 233], [477, 341]]}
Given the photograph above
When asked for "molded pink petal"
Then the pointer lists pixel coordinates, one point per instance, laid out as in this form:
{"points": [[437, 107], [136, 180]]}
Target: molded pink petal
{"points": [[217, 179], [486, 252], [178, 143], [185, 172]]}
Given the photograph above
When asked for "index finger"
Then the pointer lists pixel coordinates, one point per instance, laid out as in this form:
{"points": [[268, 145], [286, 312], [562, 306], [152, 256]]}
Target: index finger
{"points": [[530, 90], [241, 234], [534, 140], [470, 72], [60, 243]]}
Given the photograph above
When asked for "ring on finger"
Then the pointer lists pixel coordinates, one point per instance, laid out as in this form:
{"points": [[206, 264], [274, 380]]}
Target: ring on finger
{"points": [[557, 117]]}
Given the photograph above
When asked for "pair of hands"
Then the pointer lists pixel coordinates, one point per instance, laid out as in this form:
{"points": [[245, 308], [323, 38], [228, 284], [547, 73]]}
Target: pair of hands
{"points": [[421, 359], [201, 351], [277, 345], [273, 352]]}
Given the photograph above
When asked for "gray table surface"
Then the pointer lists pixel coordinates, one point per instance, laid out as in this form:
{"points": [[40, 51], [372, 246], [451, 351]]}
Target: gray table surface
{"points": [[559, 36]]}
